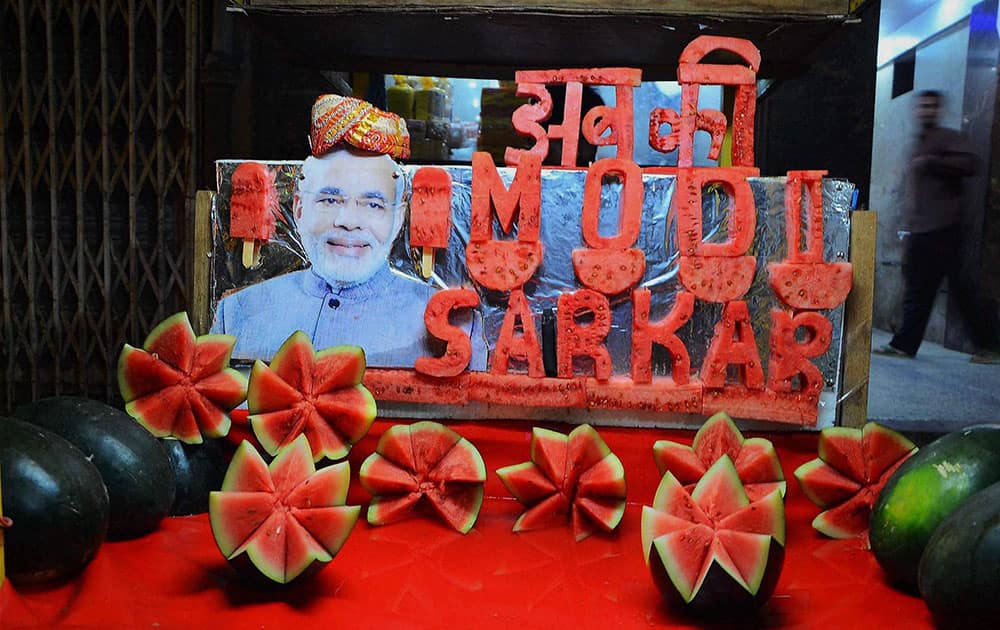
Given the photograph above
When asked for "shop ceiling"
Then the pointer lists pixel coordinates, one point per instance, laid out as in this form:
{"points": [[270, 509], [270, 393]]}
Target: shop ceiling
{"points": [[493, 39]]}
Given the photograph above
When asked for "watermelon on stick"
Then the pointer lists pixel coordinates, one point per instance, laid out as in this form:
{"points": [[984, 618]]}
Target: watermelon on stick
{"points": [[755, 458], [179, 385], [852, 468], [282, 516], [318, 394], [574, 477], [424, 464], [714, 551]]}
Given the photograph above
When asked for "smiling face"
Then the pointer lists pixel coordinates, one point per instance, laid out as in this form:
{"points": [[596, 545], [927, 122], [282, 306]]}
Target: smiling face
{"points": [[348, 214]]}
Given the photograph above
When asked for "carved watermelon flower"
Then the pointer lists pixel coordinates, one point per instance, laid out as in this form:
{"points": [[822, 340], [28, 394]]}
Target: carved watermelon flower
{"points": [[755, 459], [845, 480], [574, 477], [284, 516], [316, 393], [179, 385], [424, 463]]}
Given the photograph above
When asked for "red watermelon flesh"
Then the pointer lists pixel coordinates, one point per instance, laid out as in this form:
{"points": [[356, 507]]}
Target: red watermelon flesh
{"points": [[178, 385], [755, 459], [714, 550], [852, 467], [318, 394], [283, 516], [424, 464], [574, 477]]}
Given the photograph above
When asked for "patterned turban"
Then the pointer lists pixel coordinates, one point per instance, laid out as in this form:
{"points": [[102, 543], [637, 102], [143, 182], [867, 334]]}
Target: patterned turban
{"points": [[344, 119]]}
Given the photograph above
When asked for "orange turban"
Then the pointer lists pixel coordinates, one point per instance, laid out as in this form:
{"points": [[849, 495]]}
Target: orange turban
{"points": [[344, 119]]}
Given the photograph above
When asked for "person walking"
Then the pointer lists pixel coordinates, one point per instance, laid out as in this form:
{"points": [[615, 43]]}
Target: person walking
{"points": [[940, 162]]}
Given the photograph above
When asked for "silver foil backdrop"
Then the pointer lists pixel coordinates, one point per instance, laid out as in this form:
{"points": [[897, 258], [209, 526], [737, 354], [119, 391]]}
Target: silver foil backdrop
{"points": [[562, 201]]}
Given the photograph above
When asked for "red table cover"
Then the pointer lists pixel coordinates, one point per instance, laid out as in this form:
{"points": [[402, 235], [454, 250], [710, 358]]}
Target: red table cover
{"points": [[420, 574]]}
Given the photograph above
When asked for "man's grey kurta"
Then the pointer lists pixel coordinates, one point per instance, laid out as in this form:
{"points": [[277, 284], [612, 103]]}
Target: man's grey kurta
{"points": [[384, 315]]}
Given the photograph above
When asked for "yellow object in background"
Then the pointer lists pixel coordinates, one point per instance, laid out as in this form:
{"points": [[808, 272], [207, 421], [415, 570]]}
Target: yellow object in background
{"points": [[399, 97], [428, 101]]}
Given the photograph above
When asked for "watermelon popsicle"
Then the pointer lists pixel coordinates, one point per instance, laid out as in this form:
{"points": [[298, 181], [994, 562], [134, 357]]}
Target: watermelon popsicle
{"points": [[430, 214], [252, 209]]}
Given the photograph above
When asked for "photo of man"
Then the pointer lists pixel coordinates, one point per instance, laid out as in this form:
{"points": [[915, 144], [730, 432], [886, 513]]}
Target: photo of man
{"points": [[349, 209]]}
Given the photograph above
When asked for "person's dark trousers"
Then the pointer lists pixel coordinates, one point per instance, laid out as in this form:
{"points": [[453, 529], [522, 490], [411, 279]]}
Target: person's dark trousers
{"points": [[929, 258]]}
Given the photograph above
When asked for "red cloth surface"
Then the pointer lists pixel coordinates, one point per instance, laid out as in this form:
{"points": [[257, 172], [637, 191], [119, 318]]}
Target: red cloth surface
{"points": [[420, 574]]}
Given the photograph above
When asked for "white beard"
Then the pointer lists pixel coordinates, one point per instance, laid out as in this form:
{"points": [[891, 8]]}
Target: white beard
{"points": [[337, 269]]}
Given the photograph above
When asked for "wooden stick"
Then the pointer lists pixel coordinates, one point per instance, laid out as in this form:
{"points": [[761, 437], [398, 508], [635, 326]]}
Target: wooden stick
{"points": [[248, 253], [427, 262]]}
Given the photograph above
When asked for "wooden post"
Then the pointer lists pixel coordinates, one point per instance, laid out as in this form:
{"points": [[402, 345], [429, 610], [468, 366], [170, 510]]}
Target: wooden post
{"points": [[201, 302], [858, 321]]}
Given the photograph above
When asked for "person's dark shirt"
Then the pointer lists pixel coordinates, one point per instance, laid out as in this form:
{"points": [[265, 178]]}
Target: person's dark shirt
{"points": [[941, 159]]}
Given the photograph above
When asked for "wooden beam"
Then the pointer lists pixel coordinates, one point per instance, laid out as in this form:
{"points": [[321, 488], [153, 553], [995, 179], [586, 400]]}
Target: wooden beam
{"points": [[201, 285], [857, 345], [717, 8]]}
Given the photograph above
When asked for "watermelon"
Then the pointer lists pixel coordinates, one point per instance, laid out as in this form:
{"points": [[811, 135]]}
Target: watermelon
{"points": [[924, 491], [958, 574], [55, 505], [424, 464], [179, 385], [755, 459], [609, 271], [574, 477], [717, 278], [316, 393], [574, 339], [284, 516], [662, 332], [733, 344], [503, 265], [852, 468], [524, 346], [458, 350], [134, 465], [811, 286], [714, 551]]}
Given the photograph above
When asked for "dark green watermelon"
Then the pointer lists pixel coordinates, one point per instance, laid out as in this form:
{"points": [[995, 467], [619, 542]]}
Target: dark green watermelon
{"points": [[56, 501], [198, 470], [959, 573], [924, 491], [134, 465]]}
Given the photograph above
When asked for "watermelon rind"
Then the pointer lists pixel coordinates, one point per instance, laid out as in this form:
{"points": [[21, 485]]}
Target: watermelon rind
{"points": [[526, 482], [283, 516], [823, 485]]}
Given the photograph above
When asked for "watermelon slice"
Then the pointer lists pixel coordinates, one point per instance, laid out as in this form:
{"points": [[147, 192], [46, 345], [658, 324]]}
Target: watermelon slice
{"points": [[713, 550], [811, 286], [755, 459], [178, 385], [574, 477], [846, 479], [503, 265], [610, 271], [717, 278], [316, 393], [424, 463], [284, 516]]}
